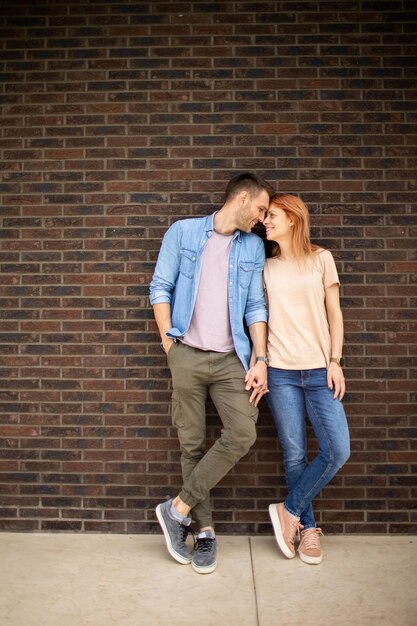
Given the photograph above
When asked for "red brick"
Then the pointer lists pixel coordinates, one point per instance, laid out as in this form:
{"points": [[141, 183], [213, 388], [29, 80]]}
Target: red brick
{"points": [[96, 172]]}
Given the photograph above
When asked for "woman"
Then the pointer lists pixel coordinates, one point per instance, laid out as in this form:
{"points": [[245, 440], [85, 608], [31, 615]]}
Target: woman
{"points": [[305, 340]]}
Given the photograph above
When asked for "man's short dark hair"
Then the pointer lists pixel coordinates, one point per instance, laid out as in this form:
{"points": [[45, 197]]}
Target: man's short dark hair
{"points": [[252, 183]]}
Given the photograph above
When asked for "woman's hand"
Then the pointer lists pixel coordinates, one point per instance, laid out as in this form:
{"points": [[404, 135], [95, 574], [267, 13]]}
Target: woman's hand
{"points": [[336, 380]]}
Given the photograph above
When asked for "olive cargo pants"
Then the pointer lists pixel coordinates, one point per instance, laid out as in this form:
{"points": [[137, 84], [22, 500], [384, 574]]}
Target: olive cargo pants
{"points": [[195, 373]]}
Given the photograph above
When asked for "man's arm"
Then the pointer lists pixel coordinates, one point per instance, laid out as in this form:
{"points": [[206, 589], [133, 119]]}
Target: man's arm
{"points": [[257, 376], [163, 282], [167, 266], [256, 316], [255, 310], [162, 313]]}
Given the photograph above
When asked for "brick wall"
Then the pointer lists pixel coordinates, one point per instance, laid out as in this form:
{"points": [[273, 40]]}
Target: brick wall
{"points": [[118, 118]]}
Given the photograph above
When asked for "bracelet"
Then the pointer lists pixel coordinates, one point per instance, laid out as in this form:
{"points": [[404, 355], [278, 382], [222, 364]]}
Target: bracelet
{"points": [[337, 360], [264, 359]]}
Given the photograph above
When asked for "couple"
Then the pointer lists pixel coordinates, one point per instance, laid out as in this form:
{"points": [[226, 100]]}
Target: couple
{"points": [[208, 295]]}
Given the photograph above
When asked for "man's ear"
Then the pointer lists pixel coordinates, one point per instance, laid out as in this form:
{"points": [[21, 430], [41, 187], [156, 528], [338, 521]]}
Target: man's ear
{"points": [[243, 198]]}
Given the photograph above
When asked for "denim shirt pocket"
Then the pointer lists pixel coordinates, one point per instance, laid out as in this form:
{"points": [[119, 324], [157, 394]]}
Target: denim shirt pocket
{"points": [[245, 273], [188, 262]]}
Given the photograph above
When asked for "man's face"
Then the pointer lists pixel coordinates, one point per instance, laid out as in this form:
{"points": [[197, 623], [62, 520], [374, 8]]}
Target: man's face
{"points": [[251, 210]]}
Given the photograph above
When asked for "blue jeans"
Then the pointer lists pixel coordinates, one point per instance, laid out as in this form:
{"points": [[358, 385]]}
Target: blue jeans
{"points": [[292, 393]]}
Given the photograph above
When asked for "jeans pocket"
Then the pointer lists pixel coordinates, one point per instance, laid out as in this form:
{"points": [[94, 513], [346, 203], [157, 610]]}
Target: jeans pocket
{"points": [[318, 377]]}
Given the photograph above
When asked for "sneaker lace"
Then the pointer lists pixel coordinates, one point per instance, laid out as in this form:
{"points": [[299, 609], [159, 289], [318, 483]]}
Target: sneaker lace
{"points": [[204, 544], [184, 531], [294, 529], [310, 538]]}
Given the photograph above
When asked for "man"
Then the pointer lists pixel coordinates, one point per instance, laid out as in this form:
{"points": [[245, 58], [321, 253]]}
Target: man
{"points": [[207, 287]]}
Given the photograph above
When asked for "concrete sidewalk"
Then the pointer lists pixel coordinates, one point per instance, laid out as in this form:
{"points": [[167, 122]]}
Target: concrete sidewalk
{"points": [[130, 580]]}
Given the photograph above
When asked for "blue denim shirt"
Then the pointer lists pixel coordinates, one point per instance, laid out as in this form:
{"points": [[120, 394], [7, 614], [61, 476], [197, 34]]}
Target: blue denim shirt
{"points": [[177, 276]]}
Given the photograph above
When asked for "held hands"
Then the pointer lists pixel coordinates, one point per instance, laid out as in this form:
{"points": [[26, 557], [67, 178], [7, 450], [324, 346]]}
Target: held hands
{"points": [[336, 380], [256, 379]]}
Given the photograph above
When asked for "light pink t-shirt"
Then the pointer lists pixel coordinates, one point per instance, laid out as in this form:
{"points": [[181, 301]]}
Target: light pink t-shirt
{"points": [[298, 329], [210, 324]]}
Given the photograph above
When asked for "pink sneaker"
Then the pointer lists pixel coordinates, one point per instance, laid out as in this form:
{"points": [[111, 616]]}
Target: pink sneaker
{"points": [[286, 527], [309, 548]]}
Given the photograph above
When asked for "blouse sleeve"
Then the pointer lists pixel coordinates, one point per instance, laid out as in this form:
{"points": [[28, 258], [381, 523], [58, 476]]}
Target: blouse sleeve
{"points": [[330, 275]]}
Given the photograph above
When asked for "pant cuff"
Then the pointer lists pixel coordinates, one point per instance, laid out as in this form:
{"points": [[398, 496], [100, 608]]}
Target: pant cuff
{"points": [[289, 510], [187, 498], [204, 523]]}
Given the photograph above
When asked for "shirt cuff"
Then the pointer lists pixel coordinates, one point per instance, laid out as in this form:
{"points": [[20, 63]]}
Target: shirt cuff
{"points": [[159, 298], [256, 316]]}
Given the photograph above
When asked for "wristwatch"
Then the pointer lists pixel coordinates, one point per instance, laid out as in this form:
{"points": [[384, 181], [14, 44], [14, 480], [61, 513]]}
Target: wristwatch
{"points": [[337, 360], [262, 358]]}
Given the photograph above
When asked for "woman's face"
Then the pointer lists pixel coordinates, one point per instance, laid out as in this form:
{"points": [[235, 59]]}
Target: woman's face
{"points": [[277, 223]]}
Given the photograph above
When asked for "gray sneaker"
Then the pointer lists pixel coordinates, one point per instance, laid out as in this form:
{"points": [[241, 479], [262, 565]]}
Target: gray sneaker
{"points": [[175, 534], [204, 557]]}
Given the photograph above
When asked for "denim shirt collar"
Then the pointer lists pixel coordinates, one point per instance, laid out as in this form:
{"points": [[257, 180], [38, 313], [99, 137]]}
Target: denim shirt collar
{"points": [[209, 227]]}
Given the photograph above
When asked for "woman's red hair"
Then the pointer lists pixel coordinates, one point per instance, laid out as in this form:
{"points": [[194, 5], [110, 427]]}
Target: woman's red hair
{"points": [[297, 211]]}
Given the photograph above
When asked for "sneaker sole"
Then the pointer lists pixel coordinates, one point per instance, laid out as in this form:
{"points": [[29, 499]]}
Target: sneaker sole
{"points": [[311, 560], [175, 555], [273, 514], [204, 570]]}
